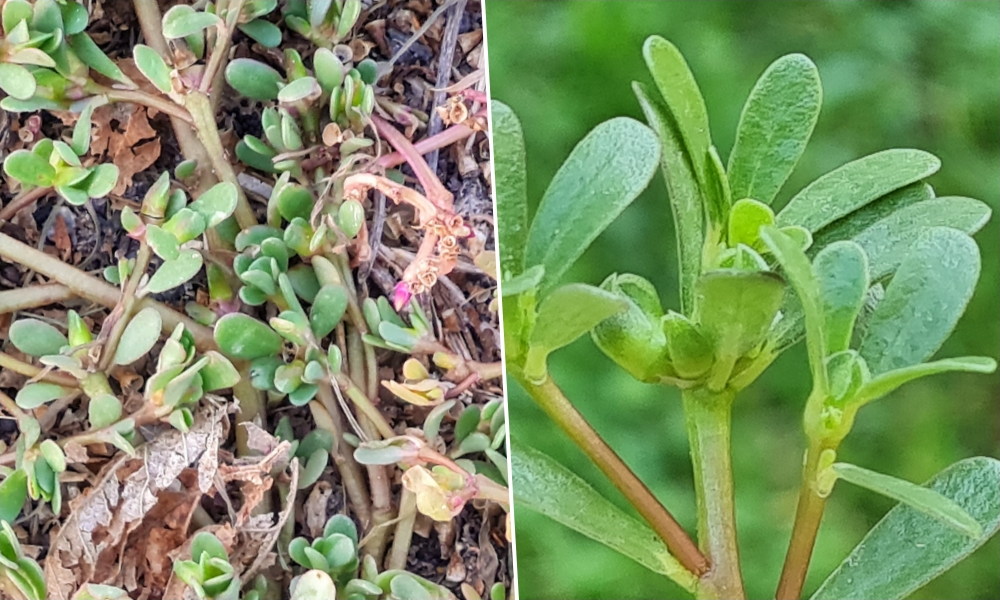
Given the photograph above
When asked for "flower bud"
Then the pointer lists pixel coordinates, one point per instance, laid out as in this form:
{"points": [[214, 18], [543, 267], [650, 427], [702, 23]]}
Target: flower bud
{"points": [[633, 338], [690, 352]]}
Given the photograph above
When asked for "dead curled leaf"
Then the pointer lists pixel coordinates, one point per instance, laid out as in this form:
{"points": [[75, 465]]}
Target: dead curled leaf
{"points": [[105, 520], [123, 135]]}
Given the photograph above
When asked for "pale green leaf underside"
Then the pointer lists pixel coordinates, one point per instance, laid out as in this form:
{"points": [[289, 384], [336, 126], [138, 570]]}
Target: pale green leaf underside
{"points": [[605, 172], [924, 301], [856, 184], [139, 337], [777, 120], [510, 175], [922, 499], [543, 485], [682, 189], [907, 549]]}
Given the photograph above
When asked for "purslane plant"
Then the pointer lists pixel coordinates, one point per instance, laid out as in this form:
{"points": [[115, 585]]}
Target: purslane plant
{"points": [[856, 263]]}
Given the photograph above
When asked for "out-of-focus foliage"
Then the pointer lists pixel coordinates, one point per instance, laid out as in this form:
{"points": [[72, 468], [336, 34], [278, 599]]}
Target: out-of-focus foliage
{"points": [[920, 74]]}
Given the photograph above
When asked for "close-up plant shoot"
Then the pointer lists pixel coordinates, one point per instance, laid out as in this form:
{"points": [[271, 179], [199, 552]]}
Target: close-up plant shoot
{"points": [[249, 346], [865, 271]]}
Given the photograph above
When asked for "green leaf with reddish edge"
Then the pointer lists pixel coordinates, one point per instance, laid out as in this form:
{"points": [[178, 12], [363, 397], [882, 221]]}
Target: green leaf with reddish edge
{"points": [[856, 184], [140, 335], [254, 79], [182, 20], [29, 168], [16, 81], [907, 548], [152, 66], [918, 313], [241, 336], [543, 485], [34, 395], [564, 315], [36, 338], [173, 273], [605, 172], [775, 126]]}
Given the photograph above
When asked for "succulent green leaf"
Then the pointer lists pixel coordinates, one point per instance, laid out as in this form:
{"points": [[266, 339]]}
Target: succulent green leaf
{"points": [[511, 185], [218, 373], [543, 485], [908, 548], [152, 66], [29, 168], [564, 315], [800, 275], [775, 126], [920, 498], [850, 226], [328, 68], [918, 313], [216, 204], [173, 273], [841, 271], [242, 336], [691, 354], [351, 218], [856, 184], [139, 337], [605, 172], [889, 241], [103, 410], [886, 383], [327, 309], [34, 395], [683, 99], [304, 89], [295, 201], [254, 79], [634, 338], [15, 11], [182, 20], [13, 493], [91, 55], [17, 81], [263, 32], [103, 178], [36, 338], [683, 190], [745, 220], [736, 309]]}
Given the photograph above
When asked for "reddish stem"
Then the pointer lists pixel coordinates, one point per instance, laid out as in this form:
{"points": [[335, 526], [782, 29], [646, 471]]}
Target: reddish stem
{"points": [[433, 188]]}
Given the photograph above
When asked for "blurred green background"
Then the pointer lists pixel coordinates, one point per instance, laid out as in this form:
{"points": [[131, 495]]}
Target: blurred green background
{"points": [[921, 74]]}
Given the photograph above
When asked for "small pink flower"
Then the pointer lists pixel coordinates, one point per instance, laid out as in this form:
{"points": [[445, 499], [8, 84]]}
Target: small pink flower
{"points": [[401, 295]]}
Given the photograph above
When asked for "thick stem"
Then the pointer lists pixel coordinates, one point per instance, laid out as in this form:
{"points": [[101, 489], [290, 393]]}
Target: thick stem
{"points": [[433, 188], [808, 515], [455, 133], [33, 297], [21, 200], [708, 417], [551, 399], [403, 535], [164, 105], [96, 290], [200, 107], [28, 370], [327, 415]]}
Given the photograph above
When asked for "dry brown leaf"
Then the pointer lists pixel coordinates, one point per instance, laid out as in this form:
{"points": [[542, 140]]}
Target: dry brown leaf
{"points": [[91, 542]]}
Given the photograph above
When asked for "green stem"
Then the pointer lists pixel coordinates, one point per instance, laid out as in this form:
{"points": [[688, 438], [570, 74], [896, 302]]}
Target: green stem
{"points": [[808, 515], [96, 290], [123, 311], [327, 414], [708, 418], [28, 370], [200, 107], [33, 297], [551, 399]]}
